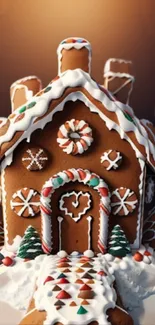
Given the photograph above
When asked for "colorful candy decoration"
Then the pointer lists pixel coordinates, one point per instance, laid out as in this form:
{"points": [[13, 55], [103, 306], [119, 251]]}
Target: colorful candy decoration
{"points": [[75, 43], [63, 295], [82, 311], [48, 279], [111, 159], [35, 159], [123, 201], [25, 202], [72, 175], [7, 261], [75, 204], [74, 137]]}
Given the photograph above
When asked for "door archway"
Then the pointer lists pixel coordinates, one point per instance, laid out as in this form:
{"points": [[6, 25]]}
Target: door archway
{"points": [[72, 175]]}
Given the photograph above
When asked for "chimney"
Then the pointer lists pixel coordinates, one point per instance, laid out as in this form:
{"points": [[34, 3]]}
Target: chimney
{"points": [[74, 53], [119, 79], [23, 89]]}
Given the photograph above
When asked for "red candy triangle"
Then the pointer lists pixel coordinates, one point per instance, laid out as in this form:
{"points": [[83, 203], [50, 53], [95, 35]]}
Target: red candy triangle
{"points": [[79, 281], [63, 281], [63, 295], [85, 287], [49, 278]]}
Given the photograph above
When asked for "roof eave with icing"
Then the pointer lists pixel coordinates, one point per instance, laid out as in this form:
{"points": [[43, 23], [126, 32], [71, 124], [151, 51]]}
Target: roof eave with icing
{"points": [[71, 79]]}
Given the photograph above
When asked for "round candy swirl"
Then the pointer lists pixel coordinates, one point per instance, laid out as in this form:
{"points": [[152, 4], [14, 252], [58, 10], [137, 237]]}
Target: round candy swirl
{"points": [[74, 137]]}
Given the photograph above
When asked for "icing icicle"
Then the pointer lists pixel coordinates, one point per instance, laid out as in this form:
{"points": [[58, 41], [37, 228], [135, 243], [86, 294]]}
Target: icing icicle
{"points": [[60, 219], [89, 219]]}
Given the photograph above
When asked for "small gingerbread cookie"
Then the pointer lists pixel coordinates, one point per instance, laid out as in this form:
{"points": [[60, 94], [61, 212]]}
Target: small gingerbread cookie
{"points": [[124, 201], [34, 159], [111, 159], [25, 202]]}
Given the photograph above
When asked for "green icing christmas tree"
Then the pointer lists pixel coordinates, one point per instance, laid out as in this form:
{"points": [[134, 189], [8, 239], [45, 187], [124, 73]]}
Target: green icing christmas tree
{"points": [[30, 246], [118, 243]]}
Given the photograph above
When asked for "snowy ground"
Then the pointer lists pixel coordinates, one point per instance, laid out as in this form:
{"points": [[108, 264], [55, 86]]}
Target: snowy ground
{"points": [[136, 283]]}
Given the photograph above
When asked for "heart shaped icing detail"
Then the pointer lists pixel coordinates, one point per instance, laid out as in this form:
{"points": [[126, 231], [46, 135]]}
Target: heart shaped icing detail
{"points": [[75, 204]]}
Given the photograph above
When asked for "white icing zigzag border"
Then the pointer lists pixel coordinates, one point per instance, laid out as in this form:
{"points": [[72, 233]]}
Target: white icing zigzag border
{"points": [[75, 204]]}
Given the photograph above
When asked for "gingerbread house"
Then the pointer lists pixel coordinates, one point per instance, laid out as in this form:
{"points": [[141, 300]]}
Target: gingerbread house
{"points": [[74, 158]]}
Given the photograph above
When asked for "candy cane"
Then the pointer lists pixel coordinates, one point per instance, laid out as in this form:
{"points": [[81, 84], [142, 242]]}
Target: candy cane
{"points": [[72, 175]]}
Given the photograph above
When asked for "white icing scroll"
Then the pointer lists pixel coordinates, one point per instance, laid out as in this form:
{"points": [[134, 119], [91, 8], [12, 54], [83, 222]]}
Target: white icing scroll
{"points": [[89, 231], [60, 219], [75, 204]]}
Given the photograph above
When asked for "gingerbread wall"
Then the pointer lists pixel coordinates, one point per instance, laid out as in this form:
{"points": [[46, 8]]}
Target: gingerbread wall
{"points": [[74, 234], [31, 32]]}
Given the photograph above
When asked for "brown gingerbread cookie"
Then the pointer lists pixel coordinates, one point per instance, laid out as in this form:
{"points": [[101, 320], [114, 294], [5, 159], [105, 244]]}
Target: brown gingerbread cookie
{"points": [[25, 202], [34, 159], [111, 159], [124, 201]]}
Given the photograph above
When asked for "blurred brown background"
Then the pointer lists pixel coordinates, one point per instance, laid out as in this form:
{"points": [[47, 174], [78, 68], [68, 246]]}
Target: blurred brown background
{"points": [[31, 30]]}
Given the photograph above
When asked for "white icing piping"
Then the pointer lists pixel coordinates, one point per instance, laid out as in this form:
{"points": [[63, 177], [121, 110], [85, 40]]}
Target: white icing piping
{"points": [[19, 85], [75, 78], [4, 207], [89, 219], [60, 219], [146, 123], [108, 63], [77, 46], [137, 242], [19, 81], [75, 204]]}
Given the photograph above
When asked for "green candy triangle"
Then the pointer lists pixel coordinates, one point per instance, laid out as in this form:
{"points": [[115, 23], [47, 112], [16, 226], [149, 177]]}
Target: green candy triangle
{"points": [[61, 276], [82, 311]]}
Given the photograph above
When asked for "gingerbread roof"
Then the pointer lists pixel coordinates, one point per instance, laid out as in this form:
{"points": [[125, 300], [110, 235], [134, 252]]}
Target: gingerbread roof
{"points": [[73, 85]]}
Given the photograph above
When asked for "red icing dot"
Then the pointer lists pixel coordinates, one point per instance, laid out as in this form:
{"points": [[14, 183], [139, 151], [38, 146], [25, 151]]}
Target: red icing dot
{"points": [[146, 253], [7, 261], [138, 257]]}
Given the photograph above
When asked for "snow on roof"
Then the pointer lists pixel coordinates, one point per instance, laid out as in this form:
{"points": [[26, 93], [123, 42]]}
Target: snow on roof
{"points": [[31, 116]]}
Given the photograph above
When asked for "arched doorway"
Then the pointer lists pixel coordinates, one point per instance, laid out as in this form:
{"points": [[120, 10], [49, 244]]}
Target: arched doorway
{"points": [[60, 179]]}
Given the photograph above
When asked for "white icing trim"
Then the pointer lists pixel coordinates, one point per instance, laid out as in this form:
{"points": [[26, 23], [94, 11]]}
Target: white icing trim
{"points": [[142, 178], [77, 46], [18, 84], [108, 63], [60, 219], [19, 81], [112, 163], [4, 194], [73, 78], [75, 204], [89, 219]]}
